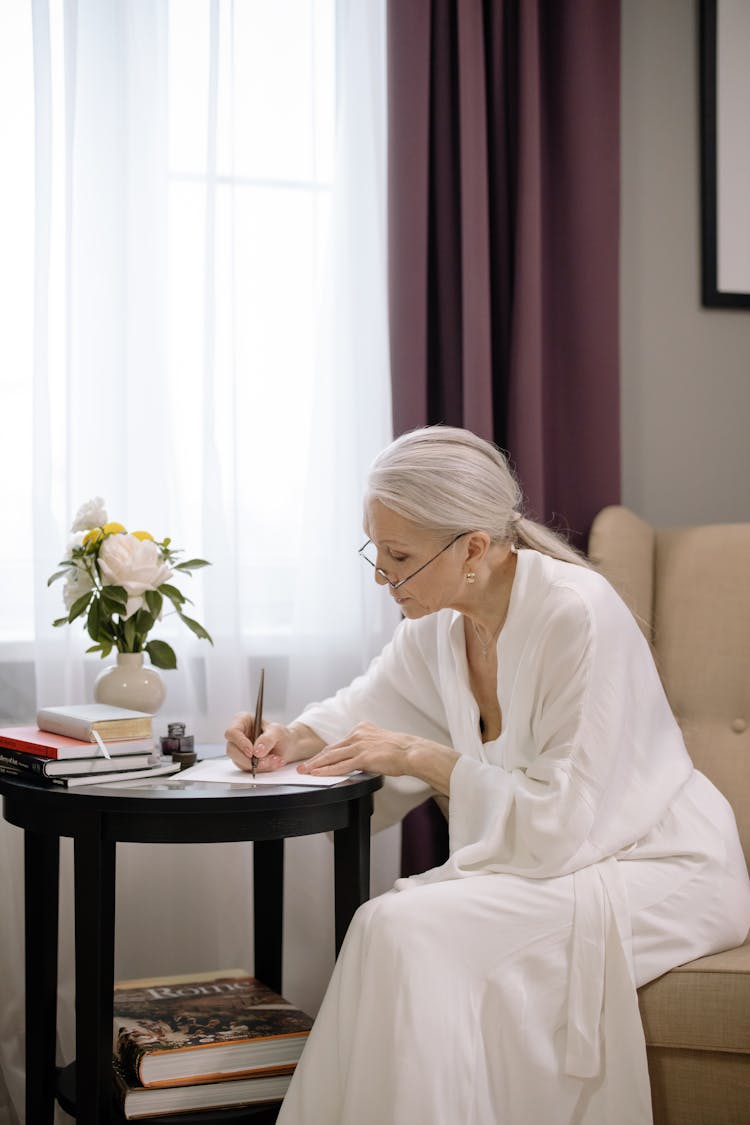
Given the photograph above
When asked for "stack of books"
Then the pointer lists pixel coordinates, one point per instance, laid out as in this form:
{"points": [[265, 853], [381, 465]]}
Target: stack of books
{"points": [[88, 744], [203, 1041]]}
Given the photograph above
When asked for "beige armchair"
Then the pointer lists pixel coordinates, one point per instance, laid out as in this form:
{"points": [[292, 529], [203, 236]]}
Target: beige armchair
{"points": [[689, 588]]}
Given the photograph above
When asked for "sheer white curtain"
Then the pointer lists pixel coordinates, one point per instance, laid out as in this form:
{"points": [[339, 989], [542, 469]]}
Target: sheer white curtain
{"points": [[194, 217]]}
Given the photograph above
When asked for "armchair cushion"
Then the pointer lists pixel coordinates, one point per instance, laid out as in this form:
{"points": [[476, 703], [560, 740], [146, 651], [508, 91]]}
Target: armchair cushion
{"points": [[704, 1005]]}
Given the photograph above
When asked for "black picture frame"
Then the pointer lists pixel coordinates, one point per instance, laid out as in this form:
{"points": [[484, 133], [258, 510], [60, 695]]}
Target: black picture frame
{"points": [[711, 295]]}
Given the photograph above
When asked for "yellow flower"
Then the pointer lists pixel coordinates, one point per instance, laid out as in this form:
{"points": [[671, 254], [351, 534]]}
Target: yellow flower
{"points": [[112, 528], [92, 536], [142, 535]]}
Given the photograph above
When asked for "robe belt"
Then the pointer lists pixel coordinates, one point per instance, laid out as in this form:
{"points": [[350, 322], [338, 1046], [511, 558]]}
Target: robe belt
{"points": [[601, 953]]}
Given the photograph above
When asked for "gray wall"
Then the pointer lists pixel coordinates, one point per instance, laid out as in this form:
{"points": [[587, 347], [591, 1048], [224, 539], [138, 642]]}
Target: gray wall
{"points": [[685, 370]]}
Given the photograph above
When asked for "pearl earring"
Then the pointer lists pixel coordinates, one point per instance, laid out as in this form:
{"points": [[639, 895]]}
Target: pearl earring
{"points": [[471, 577]]}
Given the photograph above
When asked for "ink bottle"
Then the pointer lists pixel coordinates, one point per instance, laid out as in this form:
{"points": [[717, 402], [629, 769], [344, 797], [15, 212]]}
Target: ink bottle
{"points": [[178, 745]]}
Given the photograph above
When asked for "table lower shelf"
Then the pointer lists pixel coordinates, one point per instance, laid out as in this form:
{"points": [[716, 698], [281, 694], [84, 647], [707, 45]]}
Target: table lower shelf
{"points": [[264, 1113]]}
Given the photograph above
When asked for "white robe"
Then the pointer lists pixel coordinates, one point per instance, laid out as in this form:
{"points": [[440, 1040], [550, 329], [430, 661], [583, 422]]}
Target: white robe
{"points": [[587, 857]]}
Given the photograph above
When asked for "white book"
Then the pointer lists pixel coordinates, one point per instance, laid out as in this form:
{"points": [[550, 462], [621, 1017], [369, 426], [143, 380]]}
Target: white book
{"points": [[81, 720]]}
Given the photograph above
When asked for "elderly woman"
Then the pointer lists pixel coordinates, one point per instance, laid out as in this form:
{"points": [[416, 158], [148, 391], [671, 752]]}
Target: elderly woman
{"points": [[587, 855]]}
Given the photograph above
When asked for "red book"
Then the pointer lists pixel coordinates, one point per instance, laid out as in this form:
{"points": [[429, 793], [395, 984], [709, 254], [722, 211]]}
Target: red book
{"points": [[31, 740]]}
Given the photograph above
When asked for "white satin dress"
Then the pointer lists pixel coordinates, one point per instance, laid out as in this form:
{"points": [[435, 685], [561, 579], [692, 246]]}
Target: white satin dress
{"points": [[587, 857]]}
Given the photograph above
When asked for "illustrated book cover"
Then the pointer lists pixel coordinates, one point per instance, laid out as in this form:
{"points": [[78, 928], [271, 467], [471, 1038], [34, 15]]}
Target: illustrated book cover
{"points": [[205, 1027], [141, 1101], [80, 720], [46, 744]]}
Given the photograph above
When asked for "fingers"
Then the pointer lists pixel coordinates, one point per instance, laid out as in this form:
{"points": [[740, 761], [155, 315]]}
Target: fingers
{"points": [[238, 736], [270, 763], [268, 749], [337, 759], [357, 735], [240, 759], [264, 765], [366, 747], [272, 741]]}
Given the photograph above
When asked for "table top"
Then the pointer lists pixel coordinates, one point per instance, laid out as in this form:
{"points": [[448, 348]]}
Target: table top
{"points": [[168, 794]]}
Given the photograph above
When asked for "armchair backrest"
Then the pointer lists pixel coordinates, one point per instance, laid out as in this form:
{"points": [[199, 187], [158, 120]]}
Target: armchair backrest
{"points": [[689, 589]]}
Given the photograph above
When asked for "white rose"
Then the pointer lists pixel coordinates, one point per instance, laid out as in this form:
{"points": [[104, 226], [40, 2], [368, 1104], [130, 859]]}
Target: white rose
{"points": [[77, 582], [136, 564], [91, 514]]}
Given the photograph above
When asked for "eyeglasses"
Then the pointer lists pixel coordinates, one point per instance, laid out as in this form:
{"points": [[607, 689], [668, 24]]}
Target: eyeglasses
{"points": [[395, 585]]}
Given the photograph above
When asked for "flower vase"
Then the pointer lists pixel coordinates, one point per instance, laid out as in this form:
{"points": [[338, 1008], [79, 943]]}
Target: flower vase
{"points": [[129, 683]]}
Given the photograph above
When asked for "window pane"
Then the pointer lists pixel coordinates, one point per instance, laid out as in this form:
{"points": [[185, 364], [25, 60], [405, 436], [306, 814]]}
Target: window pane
{"points": [[279, 121], [258, 282], [16, 301], [188, 85]]}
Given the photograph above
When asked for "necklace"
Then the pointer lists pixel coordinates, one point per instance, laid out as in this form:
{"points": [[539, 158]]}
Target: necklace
{"points": [[485, 646]]}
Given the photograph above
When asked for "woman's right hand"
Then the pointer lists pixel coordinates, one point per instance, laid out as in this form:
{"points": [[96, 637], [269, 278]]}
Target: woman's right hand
{"points": [[277, 746], [272, 750]]}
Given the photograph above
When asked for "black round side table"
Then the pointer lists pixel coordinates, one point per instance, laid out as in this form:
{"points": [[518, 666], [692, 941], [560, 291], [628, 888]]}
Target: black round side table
{"points": [[164, 810]]}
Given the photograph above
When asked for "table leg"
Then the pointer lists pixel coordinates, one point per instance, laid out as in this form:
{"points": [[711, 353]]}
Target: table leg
{"points": [[95, 942], [268, 910], [352, 865], [41, 909]]}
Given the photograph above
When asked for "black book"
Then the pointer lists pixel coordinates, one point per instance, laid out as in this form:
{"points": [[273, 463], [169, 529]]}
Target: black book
{"points": [[70, 767], [163, 766]]}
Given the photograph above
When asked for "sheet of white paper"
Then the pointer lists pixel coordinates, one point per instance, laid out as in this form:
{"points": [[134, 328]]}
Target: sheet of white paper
{"points": [[225, 771]]}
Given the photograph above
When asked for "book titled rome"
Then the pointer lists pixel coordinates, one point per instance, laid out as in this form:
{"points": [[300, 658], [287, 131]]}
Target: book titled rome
{"points": [[205, 1027]]}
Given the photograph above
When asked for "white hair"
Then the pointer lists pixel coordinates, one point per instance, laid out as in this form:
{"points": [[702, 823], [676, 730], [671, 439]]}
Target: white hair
{"points": [[448, 480]]}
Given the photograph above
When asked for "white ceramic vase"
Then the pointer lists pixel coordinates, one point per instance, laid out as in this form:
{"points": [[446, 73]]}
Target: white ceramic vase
{"points": [[130, 683]]}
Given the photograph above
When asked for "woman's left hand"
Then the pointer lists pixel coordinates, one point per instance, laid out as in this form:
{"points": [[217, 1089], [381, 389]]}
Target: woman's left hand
{"points": [[375, 750], [366, 747]]}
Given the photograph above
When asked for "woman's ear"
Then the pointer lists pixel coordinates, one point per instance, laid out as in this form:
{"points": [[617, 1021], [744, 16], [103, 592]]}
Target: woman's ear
{"points": [[477, 545]]}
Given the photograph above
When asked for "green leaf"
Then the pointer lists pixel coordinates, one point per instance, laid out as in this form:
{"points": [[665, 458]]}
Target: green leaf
{"points": [[128, 631], [54, 577], [144, 622], [116, 596], [196, 628], [93, 621], [175, 596], [112, 609], [192, 564], [107, 629], [94, 648], [161, 654], [59, 621], [79, 606], [154, 601]]}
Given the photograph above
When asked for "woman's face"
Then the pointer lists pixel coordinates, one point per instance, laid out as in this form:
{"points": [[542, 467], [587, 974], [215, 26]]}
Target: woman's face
{"points": [[403, 547]]}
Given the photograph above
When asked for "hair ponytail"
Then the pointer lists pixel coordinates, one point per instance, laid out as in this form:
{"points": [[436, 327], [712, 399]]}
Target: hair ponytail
{"points": [[533, 535]]}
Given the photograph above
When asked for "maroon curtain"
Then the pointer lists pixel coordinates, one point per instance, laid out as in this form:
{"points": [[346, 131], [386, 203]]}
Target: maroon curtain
{"points": [[503, 239]]}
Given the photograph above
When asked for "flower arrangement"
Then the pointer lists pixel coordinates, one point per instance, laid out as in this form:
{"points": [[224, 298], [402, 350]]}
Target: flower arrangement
{"points": [[117, 582]]}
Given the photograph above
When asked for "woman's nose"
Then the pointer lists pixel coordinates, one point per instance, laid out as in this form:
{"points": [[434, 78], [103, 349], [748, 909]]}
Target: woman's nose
{"points": [[380, 577]]}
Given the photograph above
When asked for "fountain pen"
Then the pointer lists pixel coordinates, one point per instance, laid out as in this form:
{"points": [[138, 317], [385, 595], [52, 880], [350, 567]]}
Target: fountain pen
{"points": [[258, 723]]}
